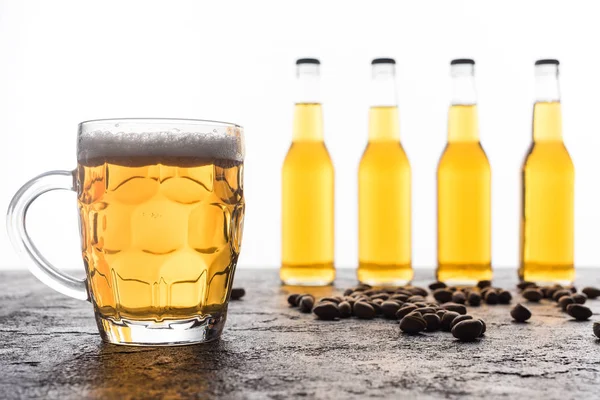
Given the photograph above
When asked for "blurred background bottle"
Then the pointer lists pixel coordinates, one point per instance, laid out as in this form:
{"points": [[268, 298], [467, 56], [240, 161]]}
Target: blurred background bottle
{"points": [[548, 189], [464, 188], [307, 232], [384, 189]]}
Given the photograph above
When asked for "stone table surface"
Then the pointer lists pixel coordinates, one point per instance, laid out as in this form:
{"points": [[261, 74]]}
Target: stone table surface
{"points": [[50, 348]]}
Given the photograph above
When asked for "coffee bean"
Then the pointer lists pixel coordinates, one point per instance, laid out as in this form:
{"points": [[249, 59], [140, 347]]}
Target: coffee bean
{"points": [[460, 318], [440, 313], [597, 329], [484, 326], [348, 292], [579, 312], [491, 297], [483, 284], [467, 331], [525, 284], [484, 292], [426, 310], [403, 291], [329, 299], [474, 299], [447, 320], [459, 308], [237, 293], [364, 310], [560, 293], [443, 295], [389, 309], [579, 298], [504, 297], [345, 309], [327, 310], [533, 294], [382, 296], [520, 313], [437, 285], [405, 310], [564, 302], [452, 288], [591, 292], [459, 297], [413, 324], [377, 301], [416, 299], [433, 322], [418, 291], [306, 303], [573, 289], [293, 299], [400, 297], [550, 290]]}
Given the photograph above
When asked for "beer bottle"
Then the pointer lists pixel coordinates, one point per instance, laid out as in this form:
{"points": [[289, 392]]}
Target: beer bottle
{"points": [[384, 189], [464, 188], [547, 227], [307, 190]]}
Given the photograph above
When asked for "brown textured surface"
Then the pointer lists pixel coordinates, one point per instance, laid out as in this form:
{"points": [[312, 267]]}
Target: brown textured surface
{"points": [[49, 348]]}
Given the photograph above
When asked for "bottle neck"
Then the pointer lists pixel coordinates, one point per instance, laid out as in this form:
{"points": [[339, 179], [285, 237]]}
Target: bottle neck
{"points": [[463, 125], [383, 114], [308, 122], [463, 85], [383, 124], [308, 88], [547, 116], [547, 122]]}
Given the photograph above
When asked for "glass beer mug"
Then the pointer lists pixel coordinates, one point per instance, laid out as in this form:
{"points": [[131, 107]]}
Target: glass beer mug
{"points": [[161, 208]]}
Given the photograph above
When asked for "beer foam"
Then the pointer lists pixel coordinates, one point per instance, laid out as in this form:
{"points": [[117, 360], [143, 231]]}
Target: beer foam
{"points": [[215, 145]]}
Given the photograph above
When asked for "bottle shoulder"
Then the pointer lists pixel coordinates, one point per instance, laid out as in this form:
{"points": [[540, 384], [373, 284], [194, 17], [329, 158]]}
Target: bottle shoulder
{"points": [[308, 153], [385, 152], [464, 155], [548, 156]]}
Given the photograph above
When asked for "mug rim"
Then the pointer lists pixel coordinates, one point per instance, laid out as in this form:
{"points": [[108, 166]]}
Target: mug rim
{"points": [[142, 120]]}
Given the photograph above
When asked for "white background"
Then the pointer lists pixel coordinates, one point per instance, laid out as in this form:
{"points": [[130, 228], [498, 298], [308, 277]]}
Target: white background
{"points": [[62, 62]]}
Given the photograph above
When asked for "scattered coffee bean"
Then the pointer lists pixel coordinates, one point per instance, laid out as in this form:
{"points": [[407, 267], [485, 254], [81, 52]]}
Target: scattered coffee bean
{"points": [[459, 297], [433, 322], [484, 326], [426, 310], [306, 303], [416, 299], [564, 302], [405, 310], [377, 301], [437, 285], [329, 299], [327, 310], [348, 292], [440, 313], [237, 293], [491, 297], [591, 292], [525, 284], [403, 291], [520, 313], [413, 323], [460, 318], [573, 289], [345, 309], [389, 309], [560, 293], [447, 320], [418, 291], [504, 297], [381, 296], [376, 306], [293, 299], [483, 284], [579, 298], [371, 292], [579, 312], [452, 288], [533, 294], [399, 297], [474, 299], [363, 310], [550, 290], [459, 308], [443, 295], [597, 329], [468, 330]]}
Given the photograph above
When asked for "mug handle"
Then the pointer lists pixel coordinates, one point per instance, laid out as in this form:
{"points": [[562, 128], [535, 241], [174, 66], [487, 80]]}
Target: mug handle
{"points": [[17, 232]]}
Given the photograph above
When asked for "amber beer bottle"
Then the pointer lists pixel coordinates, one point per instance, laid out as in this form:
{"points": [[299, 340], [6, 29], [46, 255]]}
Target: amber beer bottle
{"points": [[547, 227], [384, 181], [307, 190], [464, 188]]}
